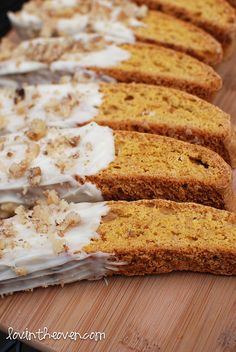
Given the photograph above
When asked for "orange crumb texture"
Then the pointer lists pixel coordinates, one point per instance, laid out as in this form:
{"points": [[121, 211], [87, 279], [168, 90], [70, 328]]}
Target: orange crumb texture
{"points": [[158, 236]]}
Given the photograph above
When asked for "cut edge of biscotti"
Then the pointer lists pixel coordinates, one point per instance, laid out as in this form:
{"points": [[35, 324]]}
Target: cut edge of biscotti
{"points": [[149, 166], [225, 32], [73, 242], [205, 124], [184, 37], [153, 64]]}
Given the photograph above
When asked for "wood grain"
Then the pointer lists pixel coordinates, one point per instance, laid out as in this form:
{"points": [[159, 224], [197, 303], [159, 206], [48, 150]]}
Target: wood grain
{"points": [[180, 312]]}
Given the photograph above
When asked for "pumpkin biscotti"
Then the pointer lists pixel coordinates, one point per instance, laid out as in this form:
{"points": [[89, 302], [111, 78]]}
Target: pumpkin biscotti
{"points": [[121, 106], [58, 243], [93, 163], [143, 63], [215, 16], [121, 19]]}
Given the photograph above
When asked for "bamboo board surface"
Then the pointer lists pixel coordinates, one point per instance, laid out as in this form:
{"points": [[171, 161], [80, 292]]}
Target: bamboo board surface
{"points": [[178, 312]]}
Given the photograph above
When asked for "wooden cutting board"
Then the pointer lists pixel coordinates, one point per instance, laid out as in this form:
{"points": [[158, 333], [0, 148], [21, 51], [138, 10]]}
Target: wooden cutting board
{"points": [[178, 312]]}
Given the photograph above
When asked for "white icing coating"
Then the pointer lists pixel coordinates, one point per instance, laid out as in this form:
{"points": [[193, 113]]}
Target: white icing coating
{"points": [[42, 259], [106, 55], [23, 19], [100, 16], [10, 67], [73, 25], [37, 100], [52, 4], [59, 162]]}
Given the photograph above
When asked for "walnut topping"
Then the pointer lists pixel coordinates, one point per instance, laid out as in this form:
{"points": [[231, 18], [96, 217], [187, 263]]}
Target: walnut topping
{"points": [[19, 95], [40, 219], [2, 143], [22, 214], [21, 271], [18, 170], [72, 219], [52, 197], [47, 52], [8, 230], [2, 244], [7, 210], [58, 243], [32, 151], [37, 130], [35, 176], [64, 106], [74, 141], [21, 108], [3, 122]]}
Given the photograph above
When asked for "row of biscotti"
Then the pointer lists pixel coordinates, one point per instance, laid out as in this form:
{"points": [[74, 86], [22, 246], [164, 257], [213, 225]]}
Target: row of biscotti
{"points": [[121, 19], [121, 106], [57, 242], [145, 63], [124, 18], [215, 16], [93, 163]]}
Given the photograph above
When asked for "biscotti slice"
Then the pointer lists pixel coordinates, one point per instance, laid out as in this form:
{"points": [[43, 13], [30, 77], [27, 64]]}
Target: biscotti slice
{"points": [[121, 106], [215, 16], [58, 243], [92, 163], [126, 21], [143, 63], [163, 29]]}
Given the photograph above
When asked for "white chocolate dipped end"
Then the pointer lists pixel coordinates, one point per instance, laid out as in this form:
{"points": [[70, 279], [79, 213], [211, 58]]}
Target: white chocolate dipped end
{"points": [[62, 105], [44, 246], [60, 159]]}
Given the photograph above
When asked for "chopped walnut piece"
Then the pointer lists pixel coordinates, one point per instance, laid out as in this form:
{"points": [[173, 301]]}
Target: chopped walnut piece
{"points": [[48, 52], [2, 143], [21, 271], [3, 122], [32, 151], [35, 176], [41, 219], [2, 244], [18, 170], [21, 108], [74, 141], [37, 130], [72, 219], [22, 214], [8, 230], [52, 197], [57, 243], [63, 107], [7, 210]]}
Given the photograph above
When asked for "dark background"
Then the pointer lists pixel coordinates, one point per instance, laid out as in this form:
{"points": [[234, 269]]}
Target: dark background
{"points": [[6, 5]]}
